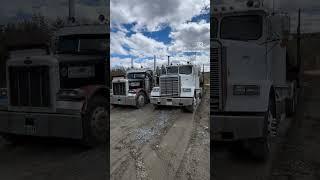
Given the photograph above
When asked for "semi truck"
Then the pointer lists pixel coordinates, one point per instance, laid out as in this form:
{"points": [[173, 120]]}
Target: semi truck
{"points": [[133, 89], [254, 83], [179, 86], [62, 93]]}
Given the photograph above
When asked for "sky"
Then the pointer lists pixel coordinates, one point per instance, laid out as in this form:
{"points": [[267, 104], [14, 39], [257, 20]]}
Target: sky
{"points": [[143, 29], [16, 10], [310, 17]]}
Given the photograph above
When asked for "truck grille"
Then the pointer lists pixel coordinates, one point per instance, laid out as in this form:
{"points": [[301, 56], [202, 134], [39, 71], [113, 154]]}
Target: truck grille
{"points": [[215, 79], [119, 88], [170, 86], [29, 86]]}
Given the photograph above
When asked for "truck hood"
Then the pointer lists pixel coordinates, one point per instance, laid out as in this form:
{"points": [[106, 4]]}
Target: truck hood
{"points": [[245, 61]]}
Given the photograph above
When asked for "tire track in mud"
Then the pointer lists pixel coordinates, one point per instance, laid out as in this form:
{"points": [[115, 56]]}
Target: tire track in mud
{"points": [[136, 139], [191, 147]]}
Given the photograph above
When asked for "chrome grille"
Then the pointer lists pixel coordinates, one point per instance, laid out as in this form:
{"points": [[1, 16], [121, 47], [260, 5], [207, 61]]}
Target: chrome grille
{"points": [[119, 88], [29, 86], [215, 79], [170, 86]]}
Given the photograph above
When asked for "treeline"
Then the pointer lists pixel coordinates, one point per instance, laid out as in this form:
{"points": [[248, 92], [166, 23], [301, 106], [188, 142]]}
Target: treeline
{"points": [[37, 30]]}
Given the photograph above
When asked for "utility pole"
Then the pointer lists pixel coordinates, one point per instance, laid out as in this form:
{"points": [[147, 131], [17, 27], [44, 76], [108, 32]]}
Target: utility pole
{"points": [[71, 18], [154, 63], [131, 62]]}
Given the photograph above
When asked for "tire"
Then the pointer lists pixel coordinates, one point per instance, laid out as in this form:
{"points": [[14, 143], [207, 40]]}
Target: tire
{"points": [[155, 106], [141, 100], [261, 147], [96, 122], [291, 105], [192, 107]]}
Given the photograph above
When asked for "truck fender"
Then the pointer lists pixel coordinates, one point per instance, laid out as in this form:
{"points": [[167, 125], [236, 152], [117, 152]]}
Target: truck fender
{"points": [[92, 91]]}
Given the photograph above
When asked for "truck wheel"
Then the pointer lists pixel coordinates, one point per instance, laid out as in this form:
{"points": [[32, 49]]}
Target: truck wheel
{"points": [[141, 100], [261, 147], [96, 122], [192, 107]]}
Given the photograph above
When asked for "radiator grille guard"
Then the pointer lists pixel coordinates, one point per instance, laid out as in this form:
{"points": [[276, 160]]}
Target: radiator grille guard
{"points": [[217, 77], [170, 86], [119, 88], [29, 86]]}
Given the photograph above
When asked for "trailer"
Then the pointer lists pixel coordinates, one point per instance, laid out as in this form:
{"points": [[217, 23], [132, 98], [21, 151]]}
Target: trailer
{"points": [[254, 84]]}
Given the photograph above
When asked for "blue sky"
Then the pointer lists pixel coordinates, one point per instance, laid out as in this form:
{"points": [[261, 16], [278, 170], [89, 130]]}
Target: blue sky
{"points": [[139, 32]]}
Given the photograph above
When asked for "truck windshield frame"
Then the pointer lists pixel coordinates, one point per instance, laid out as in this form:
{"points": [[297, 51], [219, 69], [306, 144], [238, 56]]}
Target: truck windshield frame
{"points": [[136, 75], [242, 28], [187, 70], [172, 70], [215, 24], [82, 44]]}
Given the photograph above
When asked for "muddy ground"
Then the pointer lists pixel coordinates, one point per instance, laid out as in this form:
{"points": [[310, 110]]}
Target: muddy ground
{"points": [[295, 151], [39, 159], [165, 143]]}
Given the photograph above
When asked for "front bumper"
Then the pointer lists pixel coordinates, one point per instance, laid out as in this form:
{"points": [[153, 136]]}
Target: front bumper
{"points": [[166, 101], [123, 100], [41, 124], [233, 128]]}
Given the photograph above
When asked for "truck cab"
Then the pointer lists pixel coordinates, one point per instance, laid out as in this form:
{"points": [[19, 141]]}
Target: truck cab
{"points": [[179, 86], [62, 93], [248, 71], [133, 89]]}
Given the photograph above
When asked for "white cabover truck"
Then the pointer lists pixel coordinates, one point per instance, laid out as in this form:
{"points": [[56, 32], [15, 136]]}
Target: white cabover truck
{"points": [[64, 94], [133, 89], [179, 86], [253, 81]]}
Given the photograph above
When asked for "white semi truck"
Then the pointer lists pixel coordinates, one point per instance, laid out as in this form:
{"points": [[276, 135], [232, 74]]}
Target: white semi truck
{"points": [[178, 86], [253, 80], [134, 89]]}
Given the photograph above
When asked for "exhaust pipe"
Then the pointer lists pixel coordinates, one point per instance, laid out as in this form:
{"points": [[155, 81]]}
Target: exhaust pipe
{"points": [[72, 11]]}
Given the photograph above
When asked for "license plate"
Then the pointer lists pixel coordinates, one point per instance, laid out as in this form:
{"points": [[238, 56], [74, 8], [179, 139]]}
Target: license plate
{"points": [[169, 102], [30, 130]]}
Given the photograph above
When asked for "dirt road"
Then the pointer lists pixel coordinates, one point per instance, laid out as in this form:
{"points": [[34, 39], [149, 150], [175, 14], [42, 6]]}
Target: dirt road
{"points": [[40, 159], [164, 143]]}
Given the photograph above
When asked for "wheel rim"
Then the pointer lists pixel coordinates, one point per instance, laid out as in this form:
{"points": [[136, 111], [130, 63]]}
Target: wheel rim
{"points": [[99, 123]]}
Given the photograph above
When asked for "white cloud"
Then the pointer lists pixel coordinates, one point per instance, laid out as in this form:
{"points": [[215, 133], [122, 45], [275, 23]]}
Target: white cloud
{"points": [[153, 14]]}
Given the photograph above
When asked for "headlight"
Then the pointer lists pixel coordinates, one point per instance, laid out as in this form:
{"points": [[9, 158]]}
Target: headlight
{"points": [[3, 92], [156, 89], [186, 89], [70, 94], [131, 91], [246, 90]]}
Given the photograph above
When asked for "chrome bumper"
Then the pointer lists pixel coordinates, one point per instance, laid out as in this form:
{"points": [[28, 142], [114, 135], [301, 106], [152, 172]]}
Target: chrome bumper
{"points": [[41, 124], [123, 100], [232, 128], [166, 101]]}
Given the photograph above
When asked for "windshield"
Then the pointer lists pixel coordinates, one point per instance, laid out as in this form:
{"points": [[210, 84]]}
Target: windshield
{"points": [[82, 44], [243, 28], [185, 69], [172, 70], [214, 25], [136, 76]]}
